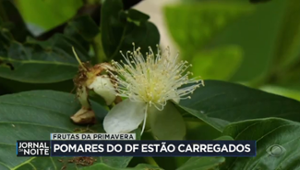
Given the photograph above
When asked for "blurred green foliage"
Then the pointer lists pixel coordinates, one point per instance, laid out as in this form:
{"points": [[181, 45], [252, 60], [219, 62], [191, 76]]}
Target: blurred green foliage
{"points": [[39, 15], [219, 63], [265, 37]]}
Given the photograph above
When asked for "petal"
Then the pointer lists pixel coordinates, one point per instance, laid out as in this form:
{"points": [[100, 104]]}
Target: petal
{"points": [[167, 124], [84, 116], [103, 87], [124, 117]]}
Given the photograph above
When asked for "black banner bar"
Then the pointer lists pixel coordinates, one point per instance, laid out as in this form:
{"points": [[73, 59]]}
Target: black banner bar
{"points": [[154, 148]]}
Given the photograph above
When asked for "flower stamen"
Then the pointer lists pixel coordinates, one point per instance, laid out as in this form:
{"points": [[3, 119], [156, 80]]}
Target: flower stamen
{"points": [[154, 79]]}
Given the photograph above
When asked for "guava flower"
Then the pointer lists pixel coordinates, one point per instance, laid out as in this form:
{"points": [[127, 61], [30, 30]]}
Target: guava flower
{"points": [[149, 84]]}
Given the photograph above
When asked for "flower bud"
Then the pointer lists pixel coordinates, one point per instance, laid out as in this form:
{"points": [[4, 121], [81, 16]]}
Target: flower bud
{"points": [[85, 114], [103, 86]]}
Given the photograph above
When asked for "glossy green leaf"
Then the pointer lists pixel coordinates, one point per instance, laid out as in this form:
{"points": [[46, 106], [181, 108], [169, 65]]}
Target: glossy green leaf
{"points": [[48, 61], [11, 17], [83, 29], [284, 91], [277, 144], [222, 101], [16, 86], [135, 15], [202, 163], [218, 124], [106, 167], [205, 163], [119, 29], [34, 115], [122, 161], [116, 162], [199, 130], [83, 25], [224, 138], [39, 61]]}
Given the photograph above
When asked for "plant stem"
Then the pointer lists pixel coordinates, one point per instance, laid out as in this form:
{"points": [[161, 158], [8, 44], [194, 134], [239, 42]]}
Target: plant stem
{"points": [[100, 57], [151, 161]]}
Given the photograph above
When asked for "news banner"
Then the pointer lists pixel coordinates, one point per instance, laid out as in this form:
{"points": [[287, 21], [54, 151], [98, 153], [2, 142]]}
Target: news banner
{"points": [[104, 144]]}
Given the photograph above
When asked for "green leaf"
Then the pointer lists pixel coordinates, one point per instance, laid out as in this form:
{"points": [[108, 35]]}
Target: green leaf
{"points": [[216, 123], [199, 130], [119, 29], [167, 124], [202, 163], [39, 62], [105, 167], [116, 162], [135, 15], [34, 115], [12, 86], [224, 138], [11, 17], [39, 15], [278, 143], [122, 161], [205, 163], [83, 29], [219, 102], [283, 91], [83, 25]]}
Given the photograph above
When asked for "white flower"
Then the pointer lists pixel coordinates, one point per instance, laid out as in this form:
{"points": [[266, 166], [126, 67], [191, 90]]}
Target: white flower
{"points": [[149, 83]]}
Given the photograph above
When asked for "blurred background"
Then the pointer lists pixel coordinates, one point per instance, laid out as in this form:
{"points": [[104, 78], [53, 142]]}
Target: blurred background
{"points": [[256, 43], [252, 42]]}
